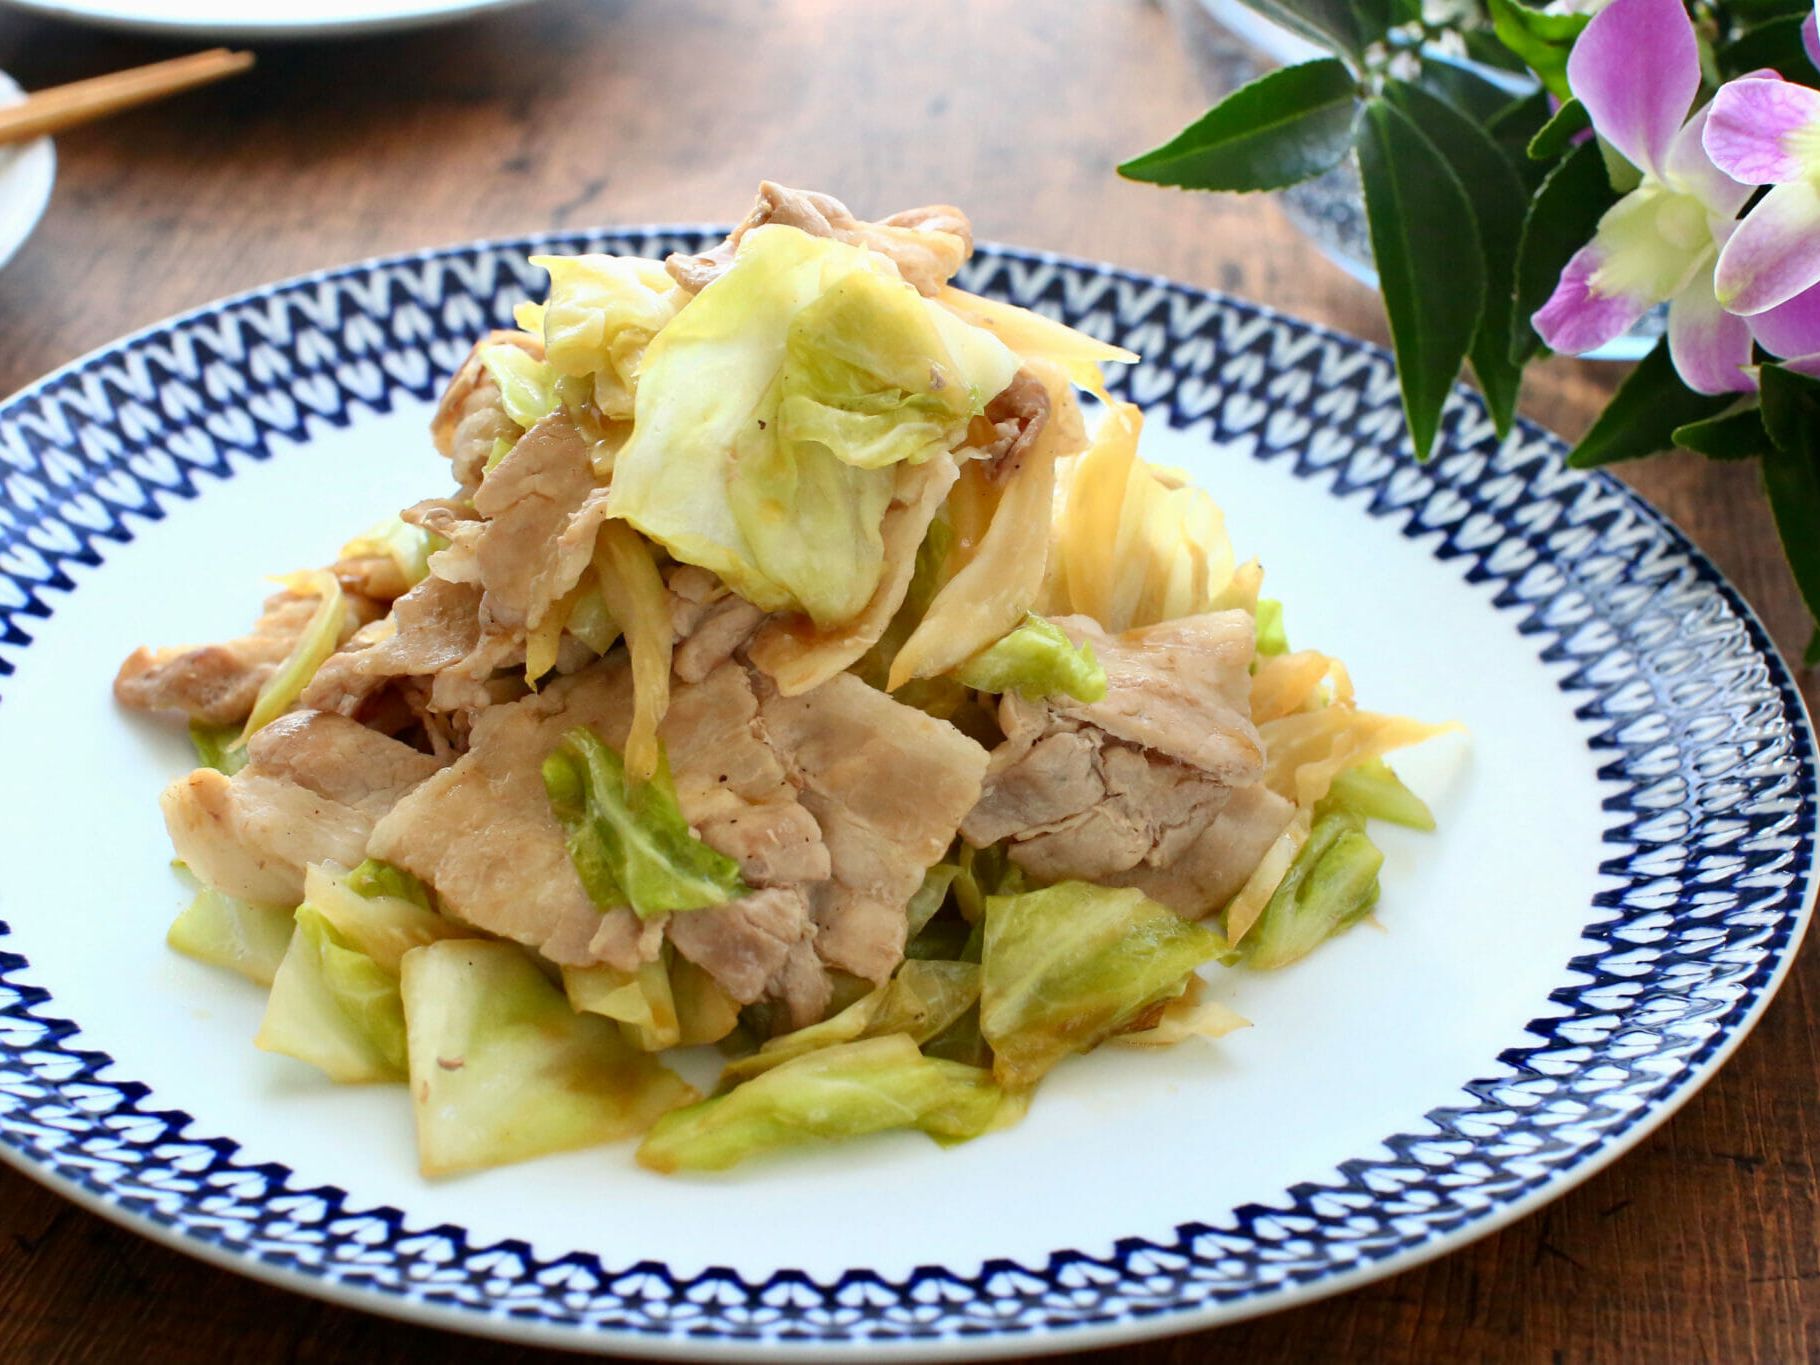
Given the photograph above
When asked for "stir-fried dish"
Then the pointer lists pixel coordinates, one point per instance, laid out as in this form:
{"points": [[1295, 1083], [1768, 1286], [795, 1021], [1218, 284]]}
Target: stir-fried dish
{"points": [[793, 668]]}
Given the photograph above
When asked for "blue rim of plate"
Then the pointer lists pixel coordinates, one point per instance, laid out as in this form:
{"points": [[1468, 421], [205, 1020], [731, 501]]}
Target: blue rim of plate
{"points": [[1702, 737]]}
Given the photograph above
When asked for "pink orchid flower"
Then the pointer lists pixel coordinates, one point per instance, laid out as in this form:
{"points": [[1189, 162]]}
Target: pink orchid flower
{"points": [[1636, 69], [1766, 131]]}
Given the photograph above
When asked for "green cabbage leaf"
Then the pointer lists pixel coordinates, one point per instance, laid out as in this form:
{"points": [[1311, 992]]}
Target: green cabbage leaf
{"points": [[843, 1091], [1036, 660], [1330, 886], [502, 1069], [629, 840], [1066, 967]]}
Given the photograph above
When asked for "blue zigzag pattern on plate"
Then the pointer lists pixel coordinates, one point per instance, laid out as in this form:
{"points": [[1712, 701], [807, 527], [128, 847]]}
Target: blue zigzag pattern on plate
{"points": [[1708, 750]]}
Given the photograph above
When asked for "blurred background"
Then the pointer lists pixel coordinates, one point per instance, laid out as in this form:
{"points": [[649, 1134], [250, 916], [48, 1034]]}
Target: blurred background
{"points": [[575, 113]]}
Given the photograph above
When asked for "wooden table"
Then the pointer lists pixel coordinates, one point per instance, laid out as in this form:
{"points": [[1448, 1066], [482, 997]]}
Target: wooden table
{"points": [[1702, 1245]]}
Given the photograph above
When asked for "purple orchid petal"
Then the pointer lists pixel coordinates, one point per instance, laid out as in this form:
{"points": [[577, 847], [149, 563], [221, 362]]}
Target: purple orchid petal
{"points": [[1810, 35], [1636, 68], [1775, 252], [1757, 128], [1710, 347], [1792, 328], [1577, 319], [1808, 365], [1688, 167]]}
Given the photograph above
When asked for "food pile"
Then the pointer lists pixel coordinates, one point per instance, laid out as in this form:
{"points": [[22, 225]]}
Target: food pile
{"points": [[792, 670]]}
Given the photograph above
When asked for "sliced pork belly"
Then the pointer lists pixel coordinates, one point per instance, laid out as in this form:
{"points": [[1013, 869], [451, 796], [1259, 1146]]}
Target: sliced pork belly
{"points": [[1117, 790], [313, 786], [470, 417], [889, 787], [926, 244], [218, 683], [542, 507], [482, 834]]}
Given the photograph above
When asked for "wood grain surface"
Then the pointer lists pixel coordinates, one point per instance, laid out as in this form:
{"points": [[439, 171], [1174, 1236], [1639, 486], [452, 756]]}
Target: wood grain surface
{"points": [[1703, 1245]]}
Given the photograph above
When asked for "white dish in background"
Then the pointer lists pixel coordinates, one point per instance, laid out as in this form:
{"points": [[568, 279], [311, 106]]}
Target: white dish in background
{"points": [[27, 171], [241, 21], [1623, 869]]}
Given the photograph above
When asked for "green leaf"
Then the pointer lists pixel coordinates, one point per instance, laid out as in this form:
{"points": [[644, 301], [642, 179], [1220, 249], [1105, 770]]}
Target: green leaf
{"points": [[1650, 406], [1776, 45], [1469, 92], [1346, 28], [1498, 202], [1558, 134], [1791, 477], [1562, 218], [1730, 436], [1420, 219], [1514, 127], [1282, 128], [1541, 39]]}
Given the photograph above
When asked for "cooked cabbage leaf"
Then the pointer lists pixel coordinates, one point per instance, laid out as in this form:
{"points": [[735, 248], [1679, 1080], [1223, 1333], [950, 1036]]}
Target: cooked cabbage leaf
{"points": [[1272, 638], [502, 1069], [628, 839], [844, 1091], [1330, 885], [921, 1000], [224, 931], [407, 546], [1035, 337], [1066, 967], [995, 574], [527, 386], [601, 315], [1036, 660], [377, 913], [633, 595], [334, 1007], [641, 1001], [320, 636], [704, 1012], [1132, 543], [218, 747], [1373, 791], [375, 877], [720, 471]]}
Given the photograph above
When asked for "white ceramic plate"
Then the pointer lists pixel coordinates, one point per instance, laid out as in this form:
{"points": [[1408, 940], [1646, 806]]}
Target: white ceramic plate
{"points": [[26, 173], [1623, 869], [240, 21]]}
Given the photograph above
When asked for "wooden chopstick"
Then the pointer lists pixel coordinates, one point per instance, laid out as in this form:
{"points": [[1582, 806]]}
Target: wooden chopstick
{"points": [[65, 106]]}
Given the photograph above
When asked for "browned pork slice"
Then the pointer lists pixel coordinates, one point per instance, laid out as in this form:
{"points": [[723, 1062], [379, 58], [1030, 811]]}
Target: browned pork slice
{"points": [[760, 944], [1017, 416], [312, 788], [927, 244], [470, 417], [710, 621], [542, 507], [218, 683], [1210, 871], [889, 786], [482, 834], [432, 627], [1116, 789]]}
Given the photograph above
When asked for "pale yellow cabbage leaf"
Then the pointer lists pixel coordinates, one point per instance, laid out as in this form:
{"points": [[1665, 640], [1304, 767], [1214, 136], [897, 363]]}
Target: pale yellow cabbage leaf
{"points": [[319, 638], [634, 593], [999, 581], [1035, 337], [1133, 543]]}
